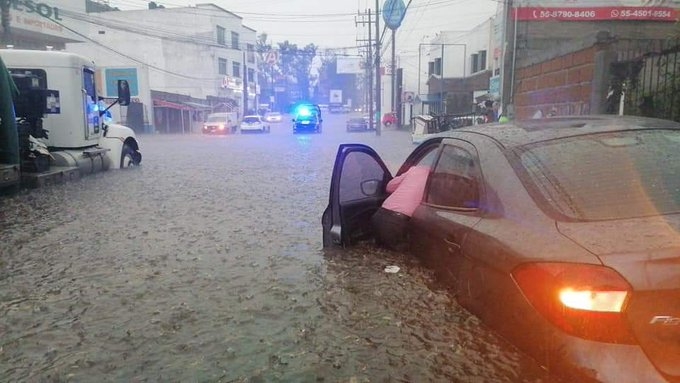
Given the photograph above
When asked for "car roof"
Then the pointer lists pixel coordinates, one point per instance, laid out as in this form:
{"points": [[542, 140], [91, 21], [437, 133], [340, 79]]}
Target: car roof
{"points": [[518, 133], [251, 116]]}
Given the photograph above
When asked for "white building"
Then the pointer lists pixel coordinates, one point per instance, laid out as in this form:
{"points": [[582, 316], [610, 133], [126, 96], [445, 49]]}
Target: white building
{"points": [[465, 60], [184, 61], [180, 62]]}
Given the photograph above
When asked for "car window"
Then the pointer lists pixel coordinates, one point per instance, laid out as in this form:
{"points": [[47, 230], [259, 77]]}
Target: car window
{"points": [[251, 120], [216, 118], [607, 176], [453, 182], [357, 168]]}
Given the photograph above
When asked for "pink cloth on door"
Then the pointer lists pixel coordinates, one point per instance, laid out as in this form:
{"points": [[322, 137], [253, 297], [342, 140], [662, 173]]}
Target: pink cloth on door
{"points": [[407, 190]]}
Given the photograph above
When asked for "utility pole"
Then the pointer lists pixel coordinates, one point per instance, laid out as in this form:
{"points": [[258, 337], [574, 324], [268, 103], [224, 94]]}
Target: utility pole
{"points": [[377, 66], [369, 21], [245, 85], [394, 70]]}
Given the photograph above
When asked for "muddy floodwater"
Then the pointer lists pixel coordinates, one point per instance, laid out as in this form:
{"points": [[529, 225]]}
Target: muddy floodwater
{"points": [[206, 265]]}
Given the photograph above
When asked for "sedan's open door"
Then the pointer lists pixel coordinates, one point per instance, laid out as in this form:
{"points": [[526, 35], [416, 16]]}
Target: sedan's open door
{"points": [[357, 191]]}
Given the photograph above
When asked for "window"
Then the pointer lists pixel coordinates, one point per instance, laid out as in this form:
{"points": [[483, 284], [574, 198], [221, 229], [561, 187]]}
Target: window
{"points": [[430, 68], [251, 74], [454, 183], [478, 61], [575, 177], [474, 62], [358, 168], [250, 53], [221, 36], [234, 40], [236, 69], [482, 60], [222, 66], [438, 66]]}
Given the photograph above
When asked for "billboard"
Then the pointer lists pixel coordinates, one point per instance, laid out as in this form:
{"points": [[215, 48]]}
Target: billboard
{"points": [[348, 65], [597, 10], [112, 75]]}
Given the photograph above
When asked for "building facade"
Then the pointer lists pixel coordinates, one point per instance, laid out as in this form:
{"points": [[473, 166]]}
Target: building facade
{"points": [[580, 57], [181, 63], [459, 69]]}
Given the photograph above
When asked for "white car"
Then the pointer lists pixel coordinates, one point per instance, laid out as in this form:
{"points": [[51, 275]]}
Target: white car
{"points": [[273, 117], [253, 124]]}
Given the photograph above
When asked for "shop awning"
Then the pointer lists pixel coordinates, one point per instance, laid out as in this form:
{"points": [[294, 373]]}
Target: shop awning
{"points": [[170, 105], [196, 105], [428, 98]]}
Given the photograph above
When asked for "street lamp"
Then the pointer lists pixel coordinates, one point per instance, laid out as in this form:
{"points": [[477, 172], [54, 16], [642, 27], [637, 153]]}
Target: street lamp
{"points": [[441, 82]]}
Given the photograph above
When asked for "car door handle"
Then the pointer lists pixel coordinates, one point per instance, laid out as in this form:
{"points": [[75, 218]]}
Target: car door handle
{"points": [[451, 244]]}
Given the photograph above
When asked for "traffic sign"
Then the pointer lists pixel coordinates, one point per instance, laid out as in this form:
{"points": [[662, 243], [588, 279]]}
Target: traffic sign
{"points": [[271, 57], [393, 13]]}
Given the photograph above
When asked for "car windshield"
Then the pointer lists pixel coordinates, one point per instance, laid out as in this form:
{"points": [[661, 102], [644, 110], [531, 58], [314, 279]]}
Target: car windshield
{"points": [[251, 120], [216, 119], [357, 120], [274, 114], [629, 174]]}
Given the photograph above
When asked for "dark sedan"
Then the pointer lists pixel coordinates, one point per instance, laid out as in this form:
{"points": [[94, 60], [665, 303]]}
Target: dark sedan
{"points": [[358, 124], [562, 234]]}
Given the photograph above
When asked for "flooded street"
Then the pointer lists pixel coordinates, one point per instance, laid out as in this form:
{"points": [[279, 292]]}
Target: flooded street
{"points": [[206, 265]]}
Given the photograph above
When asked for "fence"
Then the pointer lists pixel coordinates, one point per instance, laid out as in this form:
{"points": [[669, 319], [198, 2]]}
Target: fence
{"points": [[647, 74]]}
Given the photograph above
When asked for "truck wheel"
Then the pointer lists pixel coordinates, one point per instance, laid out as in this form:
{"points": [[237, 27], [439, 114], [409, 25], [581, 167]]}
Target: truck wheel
{"points": [[128, 157]]}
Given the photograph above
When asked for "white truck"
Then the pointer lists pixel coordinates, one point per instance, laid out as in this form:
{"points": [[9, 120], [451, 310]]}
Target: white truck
{"points": [[58, 107]]}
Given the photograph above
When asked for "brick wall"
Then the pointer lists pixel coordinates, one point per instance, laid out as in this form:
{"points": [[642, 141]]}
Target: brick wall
{"points": [[562, 85]]}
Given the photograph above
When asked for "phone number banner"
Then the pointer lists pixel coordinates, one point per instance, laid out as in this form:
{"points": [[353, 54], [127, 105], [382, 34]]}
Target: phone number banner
{"points": [[597, 13]]}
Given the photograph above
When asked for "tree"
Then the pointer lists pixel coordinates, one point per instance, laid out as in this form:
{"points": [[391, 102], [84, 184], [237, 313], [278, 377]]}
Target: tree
{"points": [[295, 65]]}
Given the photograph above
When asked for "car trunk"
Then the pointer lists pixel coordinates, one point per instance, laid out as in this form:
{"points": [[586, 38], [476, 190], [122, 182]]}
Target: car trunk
{"points": [[645, 251]]}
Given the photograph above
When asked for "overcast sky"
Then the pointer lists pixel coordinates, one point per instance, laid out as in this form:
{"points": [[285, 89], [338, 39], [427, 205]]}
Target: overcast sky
{"points": [[332, 23]]}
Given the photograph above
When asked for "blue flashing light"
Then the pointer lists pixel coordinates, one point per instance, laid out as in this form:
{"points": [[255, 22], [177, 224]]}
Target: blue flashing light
{"points": [[304, 112]]}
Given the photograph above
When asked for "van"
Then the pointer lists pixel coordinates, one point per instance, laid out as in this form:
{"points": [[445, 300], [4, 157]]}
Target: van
{"points": [[221, 123]]}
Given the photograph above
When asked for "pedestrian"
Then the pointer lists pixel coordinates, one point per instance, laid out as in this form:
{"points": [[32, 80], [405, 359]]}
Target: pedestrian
{"points": [[489, 114], [390, 221]]}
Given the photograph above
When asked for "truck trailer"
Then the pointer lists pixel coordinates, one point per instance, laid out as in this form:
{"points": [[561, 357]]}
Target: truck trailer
{"points": [[53, 123]]}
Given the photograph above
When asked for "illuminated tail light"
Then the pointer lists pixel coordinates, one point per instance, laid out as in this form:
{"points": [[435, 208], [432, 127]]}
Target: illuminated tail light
{"points": [[587, 301], [221, 127]]}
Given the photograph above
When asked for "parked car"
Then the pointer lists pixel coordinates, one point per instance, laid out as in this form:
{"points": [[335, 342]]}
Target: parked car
{"points": [[220, 123], [389, 119], [274, 117], [561, 234], [254, 123], [357, 124]]}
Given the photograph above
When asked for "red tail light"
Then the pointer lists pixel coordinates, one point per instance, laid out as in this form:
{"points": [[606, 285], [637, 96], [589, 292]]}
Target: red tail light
{"points": [[587, 301]]}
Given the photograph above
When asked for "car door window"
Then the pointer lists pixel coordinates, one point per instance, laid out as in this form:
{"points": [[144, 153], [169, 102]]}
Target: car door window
{"points": [[359, 168], [454, 182]]}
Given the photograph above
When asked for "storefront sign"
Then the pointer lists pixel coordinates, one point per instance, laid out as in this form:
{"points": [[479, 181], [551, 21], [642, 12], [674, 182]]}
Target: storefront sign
{"points": [[42, 9], [597, 13]]}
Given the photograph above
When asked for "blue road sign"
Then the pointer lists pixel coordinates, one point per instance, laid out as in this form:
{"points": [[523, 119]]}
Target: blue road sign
{"points": [[393, 13]]}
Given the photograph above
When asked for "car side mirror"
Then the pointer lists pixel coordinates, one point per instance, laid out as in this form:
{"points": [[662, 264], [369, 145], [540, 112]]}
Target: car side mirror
{"points": [[123, 93], [370, 188]]}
